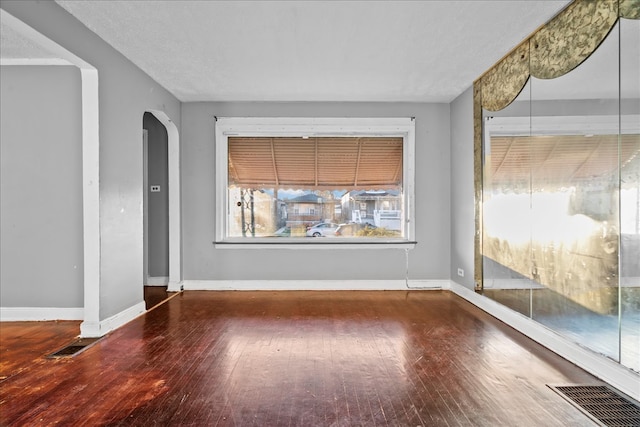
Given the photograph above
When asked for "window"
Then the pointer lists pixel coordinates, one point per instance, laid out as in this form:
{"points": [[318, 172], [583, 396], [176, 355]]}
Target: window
{"points": [[279, 177]]}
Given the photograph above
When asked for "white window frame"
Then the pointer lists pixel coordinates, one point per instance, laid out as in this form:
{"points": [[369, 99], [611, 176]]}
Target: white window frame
{"points": [[226, 127]]}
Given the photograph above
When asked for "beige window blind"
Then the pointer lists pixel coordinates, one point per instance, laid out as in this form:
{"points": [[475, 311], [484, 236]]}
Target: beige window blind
{"points": [[316, 163]]}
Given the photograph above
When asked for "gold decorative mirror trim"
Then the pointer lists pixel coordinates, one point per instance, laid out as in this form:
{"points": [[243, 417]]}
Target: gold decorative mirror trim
{"points": [[569, 39], [556, 48], [502, 84], [629, 9], [478, 176]]}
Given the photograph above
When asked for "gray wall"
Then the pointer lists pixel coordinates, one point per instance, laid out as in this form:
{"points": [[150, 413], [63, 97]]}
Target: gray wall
{"points": [[462, 189], [41, 258], [125, 94], [158, 202], [429, 259]]}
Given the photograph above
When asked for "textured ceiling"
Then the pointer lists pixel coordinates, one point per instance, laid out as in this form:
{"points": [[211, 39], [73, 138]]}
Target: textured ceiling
{"points": [[416, 51], [16, 46]]}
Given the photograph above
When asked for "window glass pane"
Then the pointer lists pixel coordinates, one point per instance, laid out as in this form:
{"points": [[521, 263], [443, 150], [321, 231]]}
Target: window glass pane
{"points": [[299, 187]]}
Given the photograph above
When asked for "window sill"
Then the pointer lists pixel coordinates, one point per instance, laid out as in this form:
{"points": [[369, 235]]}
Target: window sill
{"points": [[318, 243]]}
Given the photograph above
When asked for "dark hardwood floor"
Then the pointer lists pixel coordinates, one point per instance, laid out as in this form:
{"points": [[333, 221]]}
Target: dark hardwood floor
{"points": [[289, 359], [25, 343], [154, 295]]}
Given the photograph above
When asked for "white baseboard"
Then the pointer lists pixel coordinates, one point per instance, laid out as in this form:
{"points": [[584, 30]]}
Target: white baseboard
{"points": [[427, 284], [311, 285], [157, 281], [98, 329], [30, 314], [174, 286], [613, 373]]}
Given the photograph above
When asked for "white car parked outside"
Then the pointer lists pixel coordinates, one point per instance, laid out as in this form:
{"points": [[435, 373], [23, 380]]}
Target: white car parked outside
{"points": [[323, 229]]}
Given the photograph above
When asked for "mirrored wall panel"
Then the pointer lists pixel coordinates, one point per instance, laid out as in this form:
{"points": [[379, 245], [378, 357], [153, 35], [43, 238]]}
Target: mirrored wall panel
{"points": [[630, 194], [560, 180], [506, 197], [574, 205]]}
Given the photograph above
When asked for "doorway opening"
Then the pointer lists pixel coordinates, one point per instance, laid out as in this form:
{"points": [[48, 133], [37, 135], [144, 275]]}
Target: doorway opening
{"points": [[161, 216], [156, 202]]}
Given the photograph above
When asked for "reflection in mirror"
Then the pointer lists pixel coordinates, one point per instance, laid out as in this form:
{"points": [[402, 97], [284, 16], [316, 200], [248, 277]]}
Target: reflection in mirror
{"points": [[575, 193], [506, 205], [561, 200], [630, 197]]}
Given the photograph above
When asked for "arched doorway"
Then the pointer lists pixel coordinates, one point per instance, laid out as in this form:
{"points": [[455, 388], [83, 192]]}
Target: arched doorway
{"points": [[162, 263]]}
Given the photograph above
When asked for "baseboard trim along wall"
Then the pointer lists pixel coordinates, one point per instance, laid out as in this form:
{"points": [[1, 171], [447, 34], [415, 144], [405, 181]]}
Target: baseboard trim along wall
{"points": [[98, 329], [174, 286], [312, 285], [613, 373], [16, 314]]}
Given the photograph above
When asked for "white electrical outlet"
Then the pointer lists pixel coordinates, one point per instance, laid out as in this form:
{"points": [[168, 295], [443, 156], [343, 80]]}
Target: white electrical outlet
{"points": [[460, 272]]}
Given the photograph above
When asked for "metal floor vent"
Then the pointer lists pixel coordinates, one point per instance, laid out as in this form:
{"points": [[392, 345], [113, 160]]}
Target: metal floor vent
{"points": [[74, 348], [602, 404]]}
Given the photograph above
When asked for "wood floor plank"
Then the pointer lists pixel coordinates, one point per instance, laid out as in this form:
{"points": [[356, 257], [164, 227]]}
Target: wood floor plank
{"points": [[23, 343], [290, 359]]}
